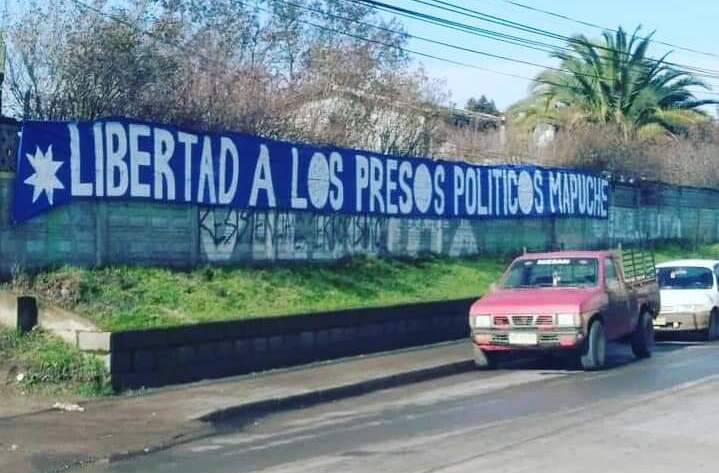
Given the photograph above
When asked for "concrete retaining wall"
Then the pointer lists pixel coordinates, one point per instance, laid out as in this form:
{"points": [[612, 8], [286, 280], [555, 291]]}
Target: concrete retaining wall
{"points": [[183, 354], [100, 233]]}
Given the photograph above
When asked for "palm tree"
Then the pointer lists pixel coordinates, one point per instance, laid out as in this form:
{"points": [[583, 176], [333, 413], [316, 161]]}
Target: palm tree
{"points": [[613, 81]]}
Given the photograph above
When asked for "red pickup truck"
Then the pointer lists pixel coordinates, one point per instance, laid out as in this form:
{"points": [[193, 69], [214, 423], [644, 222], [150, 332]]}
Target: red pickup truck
{"points": [[571, 301]]}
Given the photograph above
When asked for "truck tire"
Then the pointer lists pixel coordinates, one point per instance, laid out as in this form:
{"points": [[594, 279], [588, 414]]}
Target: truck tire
{"points": [[594, 352], [642, 340], [712, 332], [483, 360]]}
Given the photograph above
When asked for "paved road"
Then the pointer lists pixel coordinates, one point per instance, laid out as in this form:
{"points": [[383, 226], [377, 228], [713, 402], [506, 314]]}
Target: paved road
{"points": [[656, 415]]}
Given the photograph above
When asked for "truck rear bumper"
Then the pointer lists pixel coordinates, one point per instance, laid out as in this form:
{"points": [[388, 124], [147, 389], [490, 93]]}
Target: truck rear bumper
{"points": [[682, 321], [502, 340]]}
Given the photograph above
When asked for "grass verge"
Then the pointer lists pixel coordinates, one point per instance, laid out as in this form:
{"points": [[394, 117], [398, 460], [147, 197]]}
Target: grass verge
{"points": [[40, 363], [123, 298]]}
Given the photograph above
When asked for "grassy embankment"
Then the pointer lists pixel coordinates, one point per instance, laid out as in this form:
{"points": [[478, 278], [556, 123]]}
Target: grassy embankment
{"points": [[122, 298]]}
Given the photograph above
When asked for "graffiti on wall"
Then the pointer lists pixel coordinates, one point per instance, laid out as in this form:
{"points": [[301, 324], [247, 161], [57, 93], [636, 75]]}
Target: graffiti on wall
{"points": [[627, 224], [228, 235], [220, 230], [240, 235]]}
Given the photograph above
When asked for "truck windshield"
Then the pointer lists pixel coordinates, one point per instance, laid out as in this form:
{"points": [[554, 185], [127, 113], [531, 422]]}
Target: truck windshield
{"points": [[561, 272], [685, 278]]}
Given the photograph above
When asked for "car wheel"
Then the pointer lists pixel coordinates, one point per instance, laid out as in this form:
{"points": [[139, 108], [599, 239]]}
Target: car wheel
{"points": [[595, 348], [643, 336], [483, 360], [712, 332]]}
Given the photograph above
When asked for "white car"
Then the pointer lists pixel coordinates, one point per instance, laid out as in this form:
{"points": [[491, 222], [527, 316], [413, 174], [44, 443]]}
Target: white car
{"points": [[689, 292]]}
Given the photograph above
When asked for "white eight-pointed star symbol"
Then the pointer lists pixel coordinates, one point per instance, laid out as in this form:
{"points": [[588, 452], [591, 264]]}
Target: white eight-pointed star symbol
{"points": [[45, 177]]}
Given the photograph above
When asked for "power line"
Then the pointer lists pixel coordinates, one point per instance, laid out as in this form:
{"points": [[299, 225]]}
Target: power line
{"points": [[605, 28], [469, 29], [436, 42], [449, 7], [474, 30], [114, 18], [183, 48], [429, 40], [701, 71], [412, 51]]}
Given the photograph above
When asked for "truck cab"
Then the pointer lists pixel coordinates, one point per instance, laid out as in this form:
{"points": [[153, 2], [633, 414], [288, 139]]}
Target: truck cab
{"points": [[571, 301]]}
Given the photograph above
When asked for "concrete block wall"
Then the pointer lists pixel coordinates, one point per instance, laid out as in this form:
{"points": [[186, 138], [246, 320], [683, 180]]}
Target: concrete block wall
{"points": [[92, 233], [63, 236], [184, 354], [148, 233]]}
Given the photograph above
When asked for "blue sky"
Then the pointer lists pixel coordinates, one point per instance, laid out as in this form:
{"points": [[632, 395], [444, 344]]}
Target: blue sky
{"points": [[688, 23]]}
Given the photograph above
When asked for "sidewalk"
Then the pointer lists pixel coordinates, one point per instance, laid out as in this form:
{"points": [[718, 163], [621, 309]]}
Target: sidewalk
{"points": [[114, 428]]}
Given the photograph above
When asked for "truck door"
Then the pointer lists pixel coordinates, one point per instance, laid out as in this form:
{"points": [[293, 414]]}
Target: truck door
{"points": [[616, 320]]}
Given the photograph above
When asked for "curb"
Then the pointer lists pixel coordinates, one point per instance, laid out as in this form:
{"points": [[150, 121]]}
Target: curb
{"points": [[335, 393]]}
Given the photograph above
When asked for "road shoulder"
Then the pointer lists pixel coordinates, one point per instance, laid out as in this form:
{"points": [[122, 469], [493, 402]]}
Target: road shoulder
{"points": [[120, 427]]}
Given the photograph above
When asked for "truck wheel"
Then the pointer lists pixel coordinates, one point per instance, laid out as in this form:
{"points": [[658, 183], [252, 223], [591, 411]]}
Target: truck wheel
{"points": [[483, 360], [595, 348], [643, 336], [712, 332]]}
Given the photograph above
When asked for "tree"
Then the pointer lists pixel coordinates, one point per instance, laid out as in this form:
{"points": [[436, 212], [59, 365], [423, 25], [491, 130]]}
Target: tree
{"points": [[307, 69], [482, 105], [614, 82]]}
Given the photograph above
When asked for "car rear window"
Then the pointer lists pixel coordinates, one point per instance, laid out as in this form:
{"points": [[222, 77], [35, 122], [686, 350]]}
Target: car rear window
{"points": [[685, 277], [555, 272]]}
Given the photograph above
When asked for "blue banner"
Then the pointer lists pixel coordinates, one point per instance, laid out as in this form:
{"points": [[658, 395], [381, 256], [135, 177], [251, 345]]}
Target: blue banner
{"points": [[115, 159]]}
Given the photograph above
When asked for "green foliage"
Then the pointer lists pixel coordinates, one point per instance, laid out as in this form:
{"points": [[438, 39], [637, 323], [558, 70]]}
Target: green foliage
{"points": [[51, 366], [121, 298], [615, 81]]}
